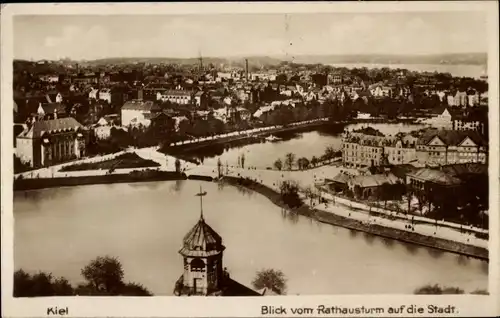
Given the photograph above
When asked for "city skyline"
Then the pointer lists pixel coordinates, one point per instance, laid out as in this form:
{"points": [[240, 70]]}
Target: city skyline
{"points": [[94, 37]]}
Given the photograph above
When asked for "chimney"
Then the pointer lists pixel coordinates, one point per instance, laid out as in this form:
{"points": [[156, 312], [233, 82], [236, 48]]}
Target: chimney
{"points": [[55, 113], [246, 68]]}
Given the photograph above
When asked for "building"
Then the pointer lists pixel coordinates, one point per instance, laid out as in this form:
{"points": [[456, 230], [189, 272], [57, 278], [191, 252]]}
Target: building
{"points": [[51, 110], [48, 142], [362, 150], [102, 129], [200, 99], [475, 120], [175, 96], [444, 147], [204, 273], [369, 186], [105, 94], [442, 121], [137, 111]]}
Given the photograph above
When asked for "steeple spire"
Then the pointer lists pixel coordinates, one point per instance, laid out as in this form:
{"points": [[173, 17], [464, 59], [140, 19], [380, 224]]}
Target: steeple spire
{"points": [[201, 194]]}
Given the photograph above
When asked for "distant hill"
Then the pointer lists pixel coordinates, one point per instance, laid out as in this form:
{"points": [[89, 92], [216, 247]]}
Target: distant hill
{"points": [[259, 61], [449, 59]]}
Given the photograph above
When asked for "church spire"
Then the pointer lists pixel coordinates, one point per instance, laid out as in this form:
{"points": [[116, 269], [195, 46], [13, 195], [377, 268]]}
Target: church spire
{"points": [[201, 194]]}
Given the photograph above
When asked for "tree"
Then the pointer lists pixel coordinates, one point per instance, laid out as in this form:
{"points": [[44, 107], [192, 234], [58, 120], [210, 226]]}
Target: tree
{"points": [[271, 279], [437, 290], [314, 161], [40, 284], [309, 192], [219, 168], [278, 164], [289, 160], [177, 165], [303, 163], [104, 274], [329, 153], [242, 161]]}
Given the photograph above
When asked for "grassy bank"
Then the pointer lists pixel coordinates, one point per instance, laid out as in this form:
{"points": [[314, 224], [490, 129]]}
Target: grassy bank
{"points": [[375, 229], [124, 161], [134, 176]]}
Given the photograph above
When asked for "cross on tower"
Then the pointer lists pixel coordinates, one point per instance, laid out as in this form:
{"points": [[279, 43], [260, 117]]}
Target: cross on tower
{"points": [[201, 194]]}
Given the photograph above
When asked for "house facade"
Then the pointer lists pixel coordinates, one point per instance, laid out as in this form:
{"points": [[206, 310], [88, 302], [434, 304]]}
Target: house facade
{"points": [[48, 142], [135, 112], [443, 147], [175, 96]]}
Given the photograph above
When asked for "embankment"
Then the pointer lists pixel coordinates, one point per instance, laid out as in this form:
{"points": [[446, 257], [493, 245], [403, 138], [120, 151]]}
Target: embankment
{"points": [[375, 229], [136, 176]]}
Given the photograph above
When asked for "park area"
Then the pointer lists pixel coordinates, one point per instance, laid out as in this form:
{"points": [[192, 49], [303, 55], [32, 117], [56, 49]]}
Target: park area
{"points": [[124, 161]]}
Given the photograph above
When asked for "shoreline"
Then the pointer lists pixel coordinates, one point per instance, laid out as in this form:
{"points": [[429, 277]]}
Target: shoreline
{"points": [[374, 229], [319, 215]]}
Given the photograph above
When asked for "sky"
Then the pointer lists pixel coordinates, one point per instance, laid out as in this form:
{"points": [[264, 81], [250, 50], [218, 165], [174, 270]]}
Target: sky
{"points": [[92, 37]]}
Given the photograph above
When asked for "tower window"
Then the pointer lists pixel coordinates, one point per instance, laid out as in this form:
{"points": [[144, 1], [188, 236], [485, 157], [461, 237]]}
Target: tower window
{"points": [[197, 265]]}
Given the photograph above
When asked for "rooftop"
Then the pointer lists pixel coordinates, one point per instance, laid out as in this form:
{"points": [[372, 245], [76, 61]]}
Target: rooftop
{"points": [[435, 176], [202, 241], [50, 126]]}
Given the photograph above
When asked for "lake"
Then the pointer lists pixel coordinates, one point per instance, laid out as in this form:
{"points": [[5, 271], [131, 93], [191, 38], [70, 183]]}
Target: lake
{"points": [[60, 230], [308, 144]]}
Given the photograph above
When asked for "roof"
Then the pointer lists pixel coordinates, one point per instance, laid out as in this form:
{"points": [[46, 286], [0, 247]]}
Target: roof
{"points": [[374, 180], [202, 241], [51, 108], [341, 178], [450, 137], [435, 176], [138, 104], [177, 92], [50, 126], [458, 170]]}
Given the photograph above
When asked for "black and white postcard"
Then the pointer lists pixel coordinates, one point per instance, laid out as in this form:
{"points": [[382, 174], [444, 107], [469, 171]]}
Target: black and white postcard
{"points": [[250, 159]]}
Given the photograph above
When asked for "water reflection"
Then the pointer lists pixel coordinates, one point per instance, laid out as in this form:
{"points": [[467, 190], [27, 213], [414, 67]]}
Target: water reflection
{"points": [[463, 260], [413, 249], [150, 234], [388, 242], [369, 238], [435, 253]]}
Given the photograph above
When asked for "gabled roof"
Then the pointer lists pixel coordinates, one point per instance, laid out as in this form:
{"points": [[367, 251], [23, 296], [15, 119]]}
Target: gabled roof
{"points": [[142, 105], [51, 108], [450, 137], [374, 180], [435, 176], [50, 126]]}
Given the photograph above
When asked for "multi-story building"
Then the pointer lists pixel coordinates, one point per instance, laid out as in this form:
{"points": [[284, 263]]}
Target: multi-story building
{"points": [[443, 147], [48, 142], [105, 94], [175, 96], [363, 150], [136, 111]]}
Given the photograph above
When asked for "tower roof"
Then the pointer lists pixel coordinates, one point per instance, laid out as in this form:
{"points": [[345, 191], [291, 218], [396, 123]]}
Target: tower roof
{"points": [[202, 241]]}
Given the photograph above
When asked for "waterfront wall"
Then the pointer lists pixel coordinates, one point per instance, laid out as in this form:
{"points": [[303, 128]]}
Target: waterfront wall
{"points": [[136, 176], [375, 229]]}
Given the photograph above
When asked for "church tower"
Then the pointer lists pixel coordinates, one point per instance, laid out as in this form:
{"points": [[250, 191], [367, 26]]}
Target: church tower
{"points": [[202, 252]]}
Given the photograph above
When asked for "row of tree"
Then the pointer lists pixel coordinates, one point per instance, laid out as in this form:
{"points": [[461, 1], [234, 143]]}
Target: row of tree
{"points": [[303, 163], [104, 276]]}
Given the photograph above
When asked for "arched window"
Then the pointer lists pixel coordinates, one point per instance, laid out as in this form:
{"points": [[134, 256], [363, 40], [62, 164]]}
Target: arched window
{"points": [[197, 265]]}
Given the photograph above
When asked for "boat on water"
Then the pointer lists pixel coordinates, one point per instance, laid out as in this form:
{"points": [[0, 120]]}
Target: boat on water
{"points": [[272, 138]]}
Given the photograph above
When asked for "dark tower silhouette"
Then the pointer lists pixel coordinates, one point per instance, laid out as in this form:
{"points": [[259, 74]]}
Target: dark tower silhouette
{"points": [[246, 69]]}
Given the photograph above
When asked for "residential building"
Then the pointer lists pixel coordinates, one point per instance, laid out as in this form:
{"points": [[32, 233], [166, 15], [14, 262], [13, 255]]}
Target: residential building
{"points": [[136, 111], [175, 96], [48, 142], [362, 150], [200, 99], [105, 94], [442, 121], [93, 93], [51, 110], [369, 186], [102, 129], [443, 147]]}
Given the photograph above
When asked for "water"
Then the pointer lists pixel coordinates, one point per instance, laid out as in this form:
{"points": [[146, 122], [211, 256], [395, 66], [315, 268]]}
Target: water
{"points": [[61, 230], [308, 144], [474, 71]]}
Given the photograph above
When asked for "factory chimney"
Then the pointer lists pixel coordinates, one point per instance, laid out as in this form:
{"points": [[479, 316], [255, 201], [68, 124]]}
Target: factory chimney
{"points": [[246, 68]]}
